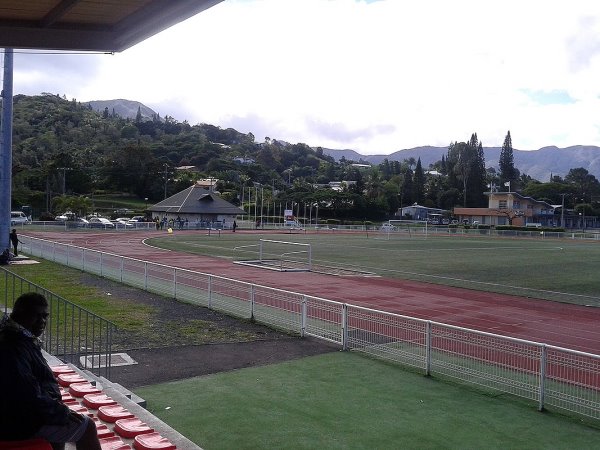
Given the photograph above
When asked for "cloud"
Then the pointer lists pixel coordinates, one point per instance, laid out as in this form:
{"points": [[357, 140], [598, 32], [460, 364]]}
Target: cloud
{"points": [[36, 72], [584, 45], [375, 76], [339, 132], [549, 98]]}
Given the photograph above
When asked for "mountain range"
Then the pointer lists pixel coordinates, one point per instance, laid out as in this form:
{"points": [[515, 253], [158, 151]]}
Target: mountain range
{"points": [[539, 164]]}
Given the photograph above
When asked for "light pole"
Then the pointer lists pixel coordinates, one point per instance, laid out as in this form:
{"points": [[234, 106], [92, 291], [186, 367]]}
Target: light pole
{"points": [[562, 211], [166, 179], [146, 200]]}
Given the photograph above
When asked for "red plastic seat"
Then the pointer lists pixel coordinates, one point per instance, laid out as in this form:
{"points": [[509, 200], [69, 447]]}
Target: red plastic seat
{"points": [[113, 443], [61, 368], [95, 401], [152, 441], [103, 431], [79, 409], [29, 444], [66, 379], [65, 396], [129, 428], [81, 389], [113, 413]]}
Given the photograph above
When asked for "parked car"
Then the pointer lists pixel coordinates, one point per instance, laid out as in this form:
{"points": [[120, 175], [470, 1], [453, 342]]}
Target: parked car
{"points": [[293, 225], [122, 222], [137, 219], [18, 218], [82, 223], [67, 215], [100, 222], [387, 227]]}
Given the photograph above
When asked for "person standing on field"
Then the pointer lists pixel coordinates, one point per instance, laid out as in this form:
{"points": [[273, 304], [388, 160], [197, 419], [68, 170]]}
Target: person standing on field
{"points": [[14, 239]]}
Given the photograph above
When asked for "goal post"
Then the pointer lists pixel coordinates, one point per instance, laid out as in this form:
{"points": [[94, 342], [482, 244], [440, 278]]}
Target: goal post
{"points": [[406, 228], [283, 256], [288, 254]]}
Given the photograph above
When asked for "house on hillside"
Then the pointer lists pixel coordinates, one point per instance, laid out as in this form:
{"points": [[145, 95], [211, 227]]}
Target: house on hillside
{"points": [[509, 208], [199, 206]]}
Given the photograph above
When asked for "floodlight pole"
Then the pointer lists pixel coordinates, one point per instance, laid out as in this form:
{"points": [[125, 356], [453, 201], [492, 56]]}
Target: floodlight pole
{"points": [[562, 211], [6, 149]]}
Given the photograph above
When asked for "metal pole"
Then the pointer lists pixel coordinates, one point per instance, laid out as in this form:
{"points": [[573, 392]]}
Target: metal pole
{"points": [[255, 203], [262, 201], [542, 380], [344, 336], [166, 179], [303, 317], [6, 149], [562, 211]]}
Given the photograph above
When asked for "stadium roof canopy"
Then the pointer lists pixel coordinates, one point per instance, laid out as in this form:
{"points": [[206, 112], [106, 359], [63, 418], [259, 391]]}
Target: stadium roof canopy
{"points": [[90, 25], [196, 200]]}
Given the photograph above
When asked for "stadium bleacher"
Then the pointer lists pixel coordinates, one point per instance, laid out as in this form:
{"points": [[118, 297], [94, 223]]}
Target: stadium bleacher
{"points": [[121, 419]]}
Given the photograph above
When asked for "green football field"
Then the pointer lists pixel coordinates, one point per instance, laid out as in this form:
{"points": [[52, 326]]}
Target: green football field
{"points": [[346, 401], [556, 269]]}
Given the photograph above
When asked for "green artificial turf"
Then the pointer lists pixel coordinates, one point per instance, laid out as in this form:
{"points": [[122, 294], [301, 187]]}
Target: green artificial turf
{"points": [[346, 401], [560, 270]]}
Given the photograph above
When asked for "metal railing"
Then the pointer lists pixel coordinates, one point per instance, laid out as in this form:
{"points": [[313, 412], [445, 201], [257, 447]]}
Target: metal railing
{"points": [[73, 334], [549, 375]]}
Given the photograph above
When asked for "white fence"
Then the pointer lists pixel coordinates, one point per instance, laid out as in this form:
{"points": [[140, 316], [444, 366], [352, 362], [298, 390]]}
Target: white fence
{"points": [[549, 375], [72, 333]]}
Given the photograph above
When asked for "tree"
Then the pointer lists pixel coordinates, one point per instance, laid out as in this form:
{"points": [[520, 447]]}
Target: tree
{"points": [[510, 214], [550, 192], [138, 116], [478, 183], [465, 157], [419, 183], [584, 184], [508, 172]]}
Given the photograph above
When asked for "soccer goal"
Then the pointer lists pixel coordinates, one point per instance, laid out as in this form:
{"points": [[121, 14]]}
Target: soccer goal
{"points": [[283, 256], [404, 228]]}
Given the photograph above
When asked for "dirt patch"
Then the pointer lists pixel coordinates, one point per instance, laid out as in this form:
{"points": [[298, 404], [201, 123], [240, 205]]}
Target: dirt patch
{"points": [[168, 350]]}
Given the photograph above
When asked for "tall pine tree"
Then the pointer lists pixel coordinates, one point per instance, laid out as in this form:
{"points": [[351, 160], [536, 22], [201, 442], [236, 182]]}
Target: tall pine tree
{"points": [[508, 172], [477, 185], [419, 183]]}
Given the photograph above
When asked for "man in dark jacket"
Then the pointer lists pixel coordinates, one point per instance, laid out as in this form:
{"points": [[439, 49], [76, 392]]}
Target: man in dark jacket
{"points": [[31, 402], [14, 240]]}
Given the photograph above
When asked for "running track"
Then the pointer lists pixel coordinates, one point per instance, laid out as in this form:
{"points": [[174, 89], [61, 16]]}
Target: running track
{"points": [[563, 325]]}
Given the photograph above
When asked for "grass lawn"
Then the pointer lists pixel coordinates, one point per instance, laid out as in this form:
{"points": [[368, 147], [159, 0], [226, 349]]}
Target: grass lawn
{"points": [[344, 400], [139, 324], [563, 270]]}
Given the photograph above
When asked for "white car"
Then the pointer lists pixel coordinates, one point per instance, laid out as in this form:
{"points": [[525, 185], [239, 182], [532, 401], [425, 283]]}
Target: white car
{"points": [[64, 217], [100, 222], [387, 227], [82, 223], [18, 218], [122, 222]]}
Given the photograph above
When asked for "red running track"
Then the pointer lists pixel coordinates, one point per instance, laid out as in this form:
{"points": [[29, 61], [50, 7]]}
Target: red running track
{"points": [[563, 325]]}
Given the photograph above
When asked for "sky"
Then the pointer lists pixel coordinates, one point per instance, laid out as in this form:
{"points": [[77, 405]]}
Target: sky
{"points": [[371, 76]]}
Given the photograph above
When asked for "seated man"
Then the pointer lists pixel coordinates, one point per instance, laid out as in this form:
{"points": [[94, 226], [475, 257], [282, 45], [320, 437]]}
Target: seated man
{"points": [[31, 403]]}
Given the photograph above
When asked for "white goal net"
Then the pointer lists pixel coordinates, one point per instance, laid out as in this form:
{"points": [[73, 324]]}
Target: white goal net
{"points": [[404, 228], [276, 255]]}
